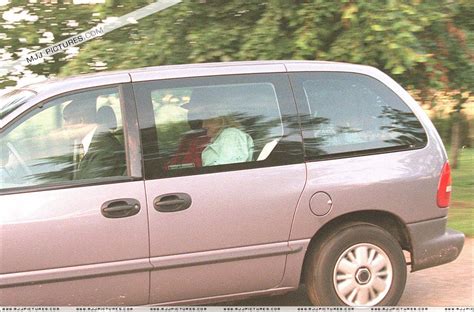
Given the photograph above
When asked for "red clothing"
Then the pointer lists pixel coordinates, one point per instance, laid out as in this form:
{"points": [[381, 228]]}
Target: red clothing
{"points": [[189, 151]]}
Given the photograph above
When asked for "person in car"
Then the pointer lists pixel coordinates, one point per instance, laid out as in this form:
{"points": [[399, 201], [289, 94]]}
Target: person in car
{"points": [[192, 142], [228, 143], [96, 152]]}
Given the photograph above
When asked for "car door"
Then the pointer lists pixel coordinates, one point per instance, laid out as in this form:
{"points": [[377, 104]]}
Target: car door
{"points": [[71, 236], [221, 200]]}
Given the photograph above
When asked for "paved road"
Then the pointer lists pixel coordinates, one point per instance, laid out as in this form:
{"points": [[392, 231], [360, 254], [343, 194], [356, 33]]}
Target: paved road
{"points": [[451, 284]]}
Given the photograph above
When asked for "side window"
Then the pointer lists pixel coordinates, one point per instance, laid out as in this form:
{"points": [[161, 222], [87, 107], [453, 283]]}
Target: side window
{"points": [[354, 113], [74, 137], [207, 124]]}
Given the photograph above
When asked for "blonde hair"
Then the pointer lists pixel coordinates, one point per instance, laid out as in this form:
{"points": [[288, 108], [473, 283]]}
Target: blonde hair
{"points": [[229, 122]]}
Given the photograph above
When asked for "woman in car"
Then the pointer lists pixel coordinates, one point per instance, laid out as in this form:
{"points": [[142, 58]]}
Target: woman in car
{"points": [[228, 143]]}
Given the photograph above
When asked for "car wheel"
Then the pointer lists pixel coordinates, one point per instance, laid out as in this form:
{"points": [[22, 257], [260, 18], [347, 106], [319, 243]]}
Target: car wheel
{"points": [[359, 264]]}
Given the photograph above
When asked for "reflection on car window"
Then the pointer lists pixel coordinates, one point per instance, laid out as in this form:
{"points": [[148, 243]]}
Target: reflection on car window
{"points": [[212, 125], [14, 99], [351, 112], [74, 137]]}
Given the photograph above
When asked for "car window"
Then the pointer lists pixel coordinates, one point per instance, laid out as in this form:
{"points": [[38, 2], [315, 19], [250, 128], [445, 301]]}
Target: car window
{"points": [[350, 113], [73, 137], [14, 99], [205, 122]]}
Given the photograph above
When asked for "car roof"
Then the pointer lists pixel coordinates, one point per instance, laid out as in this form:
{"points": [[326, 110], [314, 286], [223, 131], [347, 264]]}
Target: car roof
{"points": [[199, 69], [198, 66], [59, 85]]}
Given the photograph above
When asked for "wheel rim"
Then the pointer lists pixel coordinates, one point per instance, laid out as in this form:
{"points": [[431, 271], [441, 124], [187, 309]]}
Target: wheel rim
{"points": [[363, 275]]}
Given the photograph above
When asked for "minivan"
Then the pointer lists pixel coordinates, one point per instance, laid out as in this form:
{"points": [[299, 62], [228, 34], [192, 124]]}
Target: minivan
{"points": [[192, 184]]}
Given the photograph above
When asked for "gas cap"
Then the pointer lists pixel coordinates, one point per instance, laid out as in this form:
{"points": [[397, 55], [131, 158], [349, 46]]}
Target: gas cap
{"points": [[320, 204]]}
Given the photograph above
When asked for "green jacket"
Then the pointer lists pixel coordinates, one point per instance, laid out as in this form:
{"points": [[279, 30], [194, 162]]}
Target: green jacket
{"points": [[105, 158]]}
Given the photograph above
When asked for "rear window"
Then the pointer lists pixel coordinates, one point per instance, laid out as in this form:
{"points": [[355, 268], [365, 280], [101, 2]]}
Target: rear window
{"points": [[354, 113]]}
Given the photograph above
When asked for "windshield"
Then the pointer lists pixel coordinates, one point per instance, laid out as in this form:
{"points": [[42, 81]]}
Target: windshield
{"points": [[13, 99]]}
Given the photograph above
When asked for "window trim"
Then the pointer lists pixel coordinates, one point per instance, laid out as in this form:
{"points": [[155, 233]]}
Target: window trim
{"points": [[304, 111], [131, 143], [68, 185], [362, 153]]}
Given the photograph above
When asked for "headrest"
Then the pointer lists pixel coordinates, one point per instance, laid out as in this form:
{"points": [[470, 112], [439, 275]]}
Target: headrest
{"points": [[106, 117]]}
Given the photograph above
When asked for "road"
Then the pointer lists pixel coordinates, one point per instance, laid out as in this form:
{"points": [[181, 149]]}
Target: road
{"points": [[451, 284]]}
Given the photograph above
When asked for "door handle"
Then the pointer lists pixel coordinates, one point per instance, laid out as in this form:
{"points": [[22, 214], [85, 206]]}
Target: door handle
{"points": [[172, 202], [120, 208]]}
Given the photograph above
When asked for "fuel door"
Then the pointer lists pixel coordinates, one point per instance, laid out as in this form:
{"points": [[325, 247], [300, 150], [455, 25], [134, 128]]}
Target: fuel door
{"points": [[320, 204]]}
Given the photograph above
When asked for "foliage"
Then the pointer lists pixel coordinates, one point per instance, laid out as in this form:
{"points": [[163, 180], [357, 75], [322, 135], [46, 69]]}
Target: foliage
{"points": [[189, 32], [421, 43], [38, 25], [444, 125]]}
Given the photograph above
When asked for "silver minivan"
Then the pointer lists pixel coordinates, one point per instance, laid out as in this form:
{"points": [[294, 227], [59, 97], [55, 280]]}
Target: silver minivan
{"points": [[200, 183]]}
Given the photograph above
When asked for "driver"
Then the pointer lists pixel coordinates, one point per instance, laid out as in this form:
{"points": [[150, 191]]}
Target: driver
{"points": [[96, 152]]}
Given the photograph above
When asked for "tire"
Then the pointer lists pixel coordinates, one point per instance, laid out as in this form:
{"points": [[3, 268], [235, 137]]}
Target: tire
{"points": [[359, 264]]}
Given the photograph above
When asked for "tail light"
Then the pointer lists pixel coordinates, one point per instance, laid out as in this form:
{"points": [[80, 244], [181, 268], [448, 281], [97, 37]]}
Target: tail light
{"points": [[444, 187]]}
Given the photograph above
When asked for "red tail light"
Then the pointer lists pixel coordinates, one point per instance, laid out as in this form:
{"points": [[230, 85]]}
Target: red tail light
{"points": [[444, 187]]}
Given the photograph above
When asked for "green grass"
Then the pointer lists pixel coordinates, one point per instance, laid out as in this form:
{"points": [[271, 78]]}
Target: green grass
{"points": [[461, 213]]}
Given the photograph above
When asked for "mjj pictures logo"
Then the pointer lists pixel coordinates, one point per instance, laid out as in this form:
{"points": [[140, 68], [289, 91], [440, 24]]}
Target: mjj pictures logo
{"points": [[63, 45], [109, 25]]}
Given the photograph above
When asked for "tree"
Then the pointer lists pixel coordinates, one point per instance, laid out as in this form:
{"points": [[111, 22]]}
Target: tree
{"points": [[425, 45], [33, 26], [451, 61]]}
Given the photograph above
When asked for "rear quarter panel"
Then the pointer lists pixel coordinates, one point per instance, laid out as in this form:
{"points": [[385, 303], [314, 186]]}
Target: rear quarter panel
{"points": [[401, 183]]}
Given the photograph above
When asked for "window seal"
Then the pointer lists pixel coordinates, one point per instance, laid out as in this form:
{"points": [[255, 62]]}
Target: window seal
{"points": [[361, 153]]}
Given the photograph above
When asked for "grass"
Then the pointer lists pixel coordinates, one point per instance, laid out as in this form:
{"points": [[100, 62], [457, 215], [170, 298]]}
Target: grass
{"points": [[461, 213]]}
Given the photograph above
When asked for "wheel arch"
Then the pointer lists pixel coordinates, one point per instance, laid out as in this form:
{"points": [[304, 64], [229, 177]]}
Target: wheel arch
{"points": [[386, 220]]}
